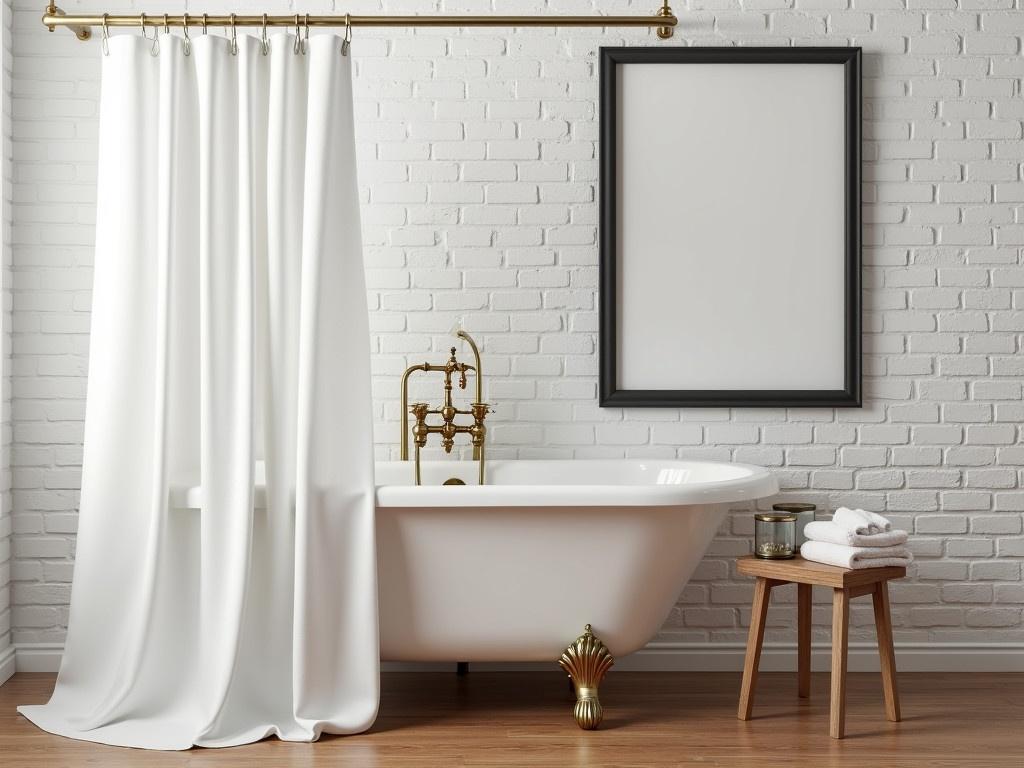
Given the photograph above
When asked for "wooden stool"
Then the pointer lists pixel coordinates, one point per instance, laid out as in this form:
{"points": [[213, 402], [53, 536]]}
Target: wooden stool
{"points": [[846, 584]]}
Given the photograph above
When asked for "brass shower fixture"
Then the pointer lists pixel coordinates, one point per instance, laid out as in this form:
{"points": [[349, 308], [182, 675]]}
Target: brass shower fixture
{"points": [[447, 429]]}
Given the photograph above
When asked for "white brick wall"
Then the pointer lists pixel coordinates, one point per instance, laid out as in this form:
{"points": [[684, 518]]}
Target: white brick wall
{"points": [[5, 331], [479, 166]]}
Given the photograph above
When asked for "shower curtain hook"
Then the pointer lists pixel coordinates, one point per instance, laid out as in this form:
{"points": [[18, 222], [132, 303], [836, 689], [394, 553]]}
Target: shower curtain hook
{"points": [[155, 49], [106, 37], [167, 27], [297, 45], [234, 37], [305, 36], [348, 35], [264, 43], [206, 19], [188, 40]]}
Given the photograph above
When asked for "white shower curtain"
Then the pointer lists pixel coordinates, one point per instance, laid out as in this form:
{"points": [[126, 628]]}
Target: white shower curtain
{"points": [[229, 331]]}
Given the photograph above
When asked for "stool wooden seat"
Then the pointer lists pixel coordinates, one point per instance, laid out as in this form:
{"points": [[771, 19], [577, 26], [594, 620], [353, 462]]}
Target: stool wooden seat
{"points": [[846, 584]]}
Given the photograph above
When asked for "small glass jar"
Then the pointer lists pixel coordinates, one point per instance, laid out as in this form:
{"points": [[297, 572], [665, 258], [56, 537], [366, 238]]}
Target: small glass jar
{"points": [[804, 514], [775, 536]]}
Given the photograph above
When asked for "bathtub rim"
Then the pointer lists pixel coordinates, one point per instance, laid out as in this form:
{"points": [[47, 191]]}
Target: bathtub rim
{"points": [[756, 484]]}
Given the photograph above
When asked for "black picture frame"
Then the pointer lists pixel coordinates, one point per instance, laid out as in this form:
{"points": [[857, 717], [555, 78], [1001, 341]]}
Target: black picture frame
{"points": [[609, 394]]}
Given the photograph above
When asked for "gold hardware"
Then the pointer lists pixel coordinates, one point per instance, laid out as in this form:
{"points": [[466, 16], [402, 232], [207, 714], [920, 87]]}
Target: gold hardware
{"points": [[663, 20], [54, 17], [448, 429], [766, 517], [586, 662], [479, 376], [453, 481], [665, 31]]}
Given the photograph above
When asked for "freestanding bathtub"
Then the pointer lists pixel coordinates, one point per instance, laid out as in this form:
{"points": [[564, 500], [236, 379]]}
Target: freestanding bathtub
{"points": [[513, 570]]}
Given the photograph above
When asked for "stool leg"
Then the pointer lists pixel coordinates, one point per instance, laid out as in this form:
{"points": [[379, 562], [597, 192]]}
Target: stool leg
{"points": [[803, 595], [840, 641], [762, 594], [886, 654]]}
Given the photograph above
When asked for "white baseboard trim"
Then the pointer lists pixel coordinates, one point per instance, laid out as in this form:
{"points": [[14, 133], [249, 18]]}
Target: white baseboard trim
{"points": [[38, 657], [7, 663], [691, 657]]}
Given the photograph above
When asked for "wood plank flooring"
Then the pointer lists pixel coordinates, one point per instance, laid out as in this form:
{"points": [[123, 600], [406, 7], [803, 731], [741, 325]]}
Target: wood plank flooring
{"points": [[434, 720]]}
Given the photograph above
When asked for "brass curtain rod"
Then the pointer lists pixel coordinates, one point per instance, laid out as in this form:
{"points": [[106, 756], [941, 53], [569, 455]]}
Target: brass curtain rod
{"points": [[663, 20]]}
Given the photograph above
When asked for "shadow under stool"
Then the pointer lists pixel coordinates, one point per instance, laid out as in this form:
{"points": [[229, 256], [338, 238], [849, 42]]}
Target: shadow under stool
{"points": [[846, 584]]}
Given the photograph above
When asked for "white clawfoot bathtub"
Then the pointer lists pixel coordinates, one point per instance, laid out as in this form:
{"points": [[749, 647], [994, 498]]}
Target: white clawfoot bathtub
{"points": [[513, 570]]}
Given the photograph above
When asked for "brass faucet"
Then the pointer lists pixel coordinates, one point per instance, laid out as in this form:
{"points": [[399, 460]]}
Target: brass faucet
{"points": [[447, 429]]}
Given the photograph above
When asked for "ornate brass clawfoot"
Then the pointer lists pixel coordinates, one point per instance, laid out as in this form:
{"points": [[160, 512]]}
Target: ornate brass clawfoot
{"points": [[586, 662]]}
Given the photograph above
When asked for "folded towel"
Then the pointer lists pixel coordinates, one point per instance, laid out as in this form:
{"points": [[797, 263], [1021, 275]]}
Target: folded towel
{"points": [[825, 530], [855, 557], [860, 521]]}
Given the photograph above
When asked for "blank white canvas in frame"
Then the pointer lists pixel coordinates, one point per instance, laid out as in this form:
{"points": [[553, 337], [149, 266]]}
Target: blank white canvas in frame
{"points": [[730, 226]]}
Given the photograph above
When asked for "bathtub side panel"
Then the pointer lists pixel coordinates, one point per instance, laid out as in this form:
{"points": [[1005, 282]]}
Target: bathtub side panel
{"points": [[519, 584]]}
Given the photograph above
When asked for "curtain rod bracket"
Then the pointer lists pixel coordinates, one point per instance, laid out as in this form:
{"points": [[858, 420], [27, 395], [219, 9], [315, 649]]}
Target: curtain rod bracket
{"points": [[82, 31], [663, 21]]}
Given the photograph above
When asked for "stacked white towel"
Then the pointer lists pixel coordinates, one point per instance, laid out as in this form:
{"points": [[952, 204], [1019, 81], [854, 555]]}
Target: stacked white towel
{"points": [[855, 538]]}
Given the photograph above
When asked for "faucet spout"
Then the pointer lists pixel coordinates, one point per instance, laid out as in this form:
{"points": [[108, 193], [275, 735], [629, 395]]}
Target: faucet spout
{"points": [[461, 334]]}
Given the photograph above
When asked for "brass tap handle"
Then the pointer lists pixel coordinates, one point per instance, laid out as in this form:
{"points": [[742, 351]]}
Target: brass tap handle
{"points": [[420, 430], [478, 431]]}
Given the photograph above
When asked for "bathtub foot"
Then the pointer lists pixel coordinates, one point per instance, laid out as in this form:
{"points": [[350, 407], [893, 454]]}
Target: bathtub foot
{"points": [[586, 662]]}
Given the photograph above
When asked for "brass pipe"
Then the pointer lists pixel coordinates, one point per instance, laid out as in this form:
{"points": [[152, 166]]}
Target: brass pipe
{"points": [[461, 334], [476, 360], [54, 17], [404, 409], [480, 458]]}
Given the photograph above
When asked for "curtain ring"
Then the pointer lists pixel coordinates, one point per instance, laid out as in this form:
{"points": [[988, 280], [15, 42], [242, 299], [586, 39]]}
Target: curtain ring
{"points": [[184, 30], [206, 18], [106, 37], [155, 49], [264, 42], [297, 45], [234, 37], [167, 27], [348, 35], [305, 36]]}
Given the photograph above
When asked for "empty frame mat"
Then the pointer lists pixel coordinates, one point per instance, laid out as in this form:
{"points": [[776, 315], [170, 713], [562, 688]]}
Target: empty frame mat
{"points": [[730, 220]]}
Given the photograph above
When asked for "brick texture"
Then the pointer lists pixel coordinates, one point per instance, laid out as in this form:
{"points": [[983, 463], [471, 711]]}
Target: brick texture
{"points": [[5, 328], [478, 169]]}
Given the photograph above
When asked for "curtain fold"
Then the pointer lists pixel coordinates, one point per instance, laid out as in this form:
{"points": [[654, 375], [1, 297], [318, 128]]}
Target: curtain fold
{"points": [[229, 341]]}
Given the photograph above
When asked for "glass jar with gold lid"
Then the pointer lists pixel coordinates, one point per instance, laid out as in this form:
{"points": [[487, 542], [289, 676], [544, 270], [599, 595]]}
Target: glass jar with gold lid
{"points": [[775, 535]]}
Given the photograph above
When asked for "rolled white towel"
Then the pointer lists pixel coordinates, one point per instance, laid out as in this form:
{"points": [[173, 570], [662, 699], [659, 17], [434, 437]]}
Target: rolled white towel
{"points": [[825, 530], [854, 521], [855, 557], [879, 522]]}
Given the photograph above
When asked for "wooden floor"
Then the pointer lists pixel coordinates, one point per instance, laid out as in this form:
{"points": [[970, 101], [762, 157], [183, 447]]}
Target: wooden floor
{"points": [[651, 719]]}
